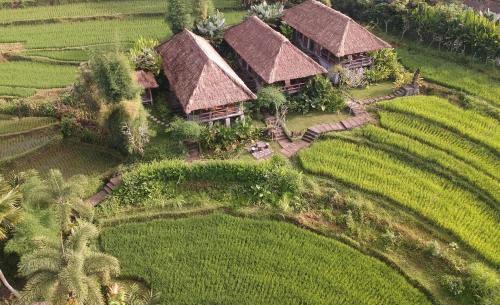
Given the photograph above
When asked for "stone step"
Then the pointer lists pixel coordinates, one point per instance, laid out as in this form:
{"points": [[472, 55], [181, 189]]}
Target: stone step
{"points": [[107, 189]]}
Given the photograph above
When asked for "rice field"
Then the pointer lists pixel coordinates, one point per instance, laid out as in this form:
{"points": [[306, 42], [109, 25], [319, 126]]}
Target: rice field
{"points": [[480, 80], [71, 158], [22, 78], [25, 143], [220, 259], [10, 124], [416, 159]]}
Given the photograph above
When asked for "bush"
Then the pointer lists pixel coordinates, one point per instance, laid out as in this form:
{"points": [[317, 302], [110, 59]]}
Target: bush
{"points": [[244, 180], [212, 27], [484, 283], [113, 76], [388, 239], [127, 127], [28, 107], [179, 15], [433, 248], [144, 55], [221, 140], [318, 95], [270, 98], [385, 66], [453, 284], [182, 130], [269, 13], [203, 9]]}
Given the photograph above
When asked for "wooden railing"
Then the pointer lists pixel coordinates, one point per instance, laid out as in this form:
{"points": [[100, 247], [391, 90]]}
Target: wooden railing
{"points": [[357, 63], [294, 88], [217, 114]]}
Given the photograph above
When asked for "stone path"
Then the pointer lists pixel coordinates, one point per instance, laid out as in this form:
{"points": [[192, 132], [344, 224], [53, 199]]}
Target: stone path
{"points": [[112, 185], [157, 120], [360, 118]]}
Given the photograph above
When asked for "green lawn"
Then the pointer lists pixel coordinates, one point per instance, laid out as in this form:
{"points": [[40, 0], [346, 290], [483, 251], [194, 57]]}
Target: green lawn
{"points": [[298, 122], [372, 91], [220, 259]]}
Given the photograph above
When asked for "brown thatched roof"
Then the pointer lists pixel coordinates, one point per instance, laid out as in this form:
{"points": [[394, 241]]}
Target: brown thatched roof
{"points": [[333, 30], [199, 76], [272, 56], [146, 79]]}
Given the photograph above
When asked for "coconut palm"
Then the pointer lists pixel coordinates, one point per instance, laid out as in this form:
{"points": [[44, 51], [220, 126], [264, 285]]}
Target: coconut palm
{"points": [[68, 271], [10, 199]]}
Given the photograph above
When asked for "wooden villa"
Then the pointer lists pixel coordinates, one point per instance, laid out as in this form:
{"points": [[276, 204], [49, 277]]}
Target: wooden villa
{"points": [[269, 57], [147, 81], [206, 88], [332, 37]]}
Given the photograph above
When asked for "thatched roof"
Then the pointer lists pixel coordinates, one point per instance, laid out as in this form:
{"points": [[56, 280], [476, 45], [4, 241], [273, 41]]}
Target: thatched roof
{"points": [[199, 76], [333, 30], [146, 79], [272, 56]]}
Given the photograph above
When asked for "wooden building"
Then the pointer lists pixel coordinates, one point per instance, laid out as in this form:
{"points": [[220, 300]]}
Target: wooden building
{"points": [[147, 81], [269, 57], [332, 37], [207, 89]]}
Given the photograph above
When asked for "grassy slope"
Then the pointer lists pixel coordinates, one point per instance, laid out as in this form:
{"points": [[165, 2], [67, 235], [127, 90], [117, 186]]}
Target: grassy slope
{"points": [[221, 259], [476, 79], [402, 180], [13, 124]]}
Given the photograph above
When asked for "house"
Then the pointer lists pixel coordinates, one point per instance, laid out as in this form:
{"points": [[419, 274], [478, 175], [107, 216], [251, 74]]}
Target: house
{"points": [[269, 57], [332, 37], [206, 88], [147, 81]]}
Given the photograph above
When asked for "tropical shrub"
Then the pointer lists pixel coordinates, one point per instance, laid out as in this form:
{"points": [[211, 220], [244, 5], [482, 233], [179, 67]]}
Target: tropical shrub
{"points": [[221, 140], [319, 95], [203, 9], [454, 285], [269, 13], [212, 27], [127, 127], [271, 98], [484, 284], [112, 75], [446, 26], [246, 180], [183, 130], [179, 15], [144, 56]]}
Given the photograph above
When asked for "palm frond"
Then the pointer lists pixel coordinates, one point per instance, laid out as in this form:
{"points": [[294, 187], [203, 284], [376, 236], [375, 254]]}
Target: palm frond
{"points": [[38, 288]]}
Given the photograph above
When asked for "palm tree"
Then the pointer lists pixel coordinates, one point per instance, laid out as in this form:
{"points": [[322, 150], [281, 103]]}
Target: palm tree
{"points": [[68, 271], [10, 199]]}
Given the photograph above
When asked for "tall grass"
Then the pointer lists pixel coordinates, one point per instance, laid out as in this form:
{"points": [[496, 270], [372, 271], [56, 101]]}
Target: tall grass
{"points": [[224, 260]]}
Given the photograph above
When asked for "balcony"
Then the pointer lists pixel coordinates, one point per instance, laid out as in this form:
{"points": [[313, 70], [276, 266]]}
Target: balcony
{"points": [[215, 114], [357, 63]]}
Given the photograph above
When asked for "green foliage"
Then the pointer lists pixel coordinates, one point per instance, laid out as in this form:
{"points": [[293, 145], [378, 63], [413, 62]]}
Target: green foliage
{"points": [[269, 13], [179, 15], [446, 26], [286, 30], [221, 140], [67, 271], [127, 127], [113, 76], [247, 261], [385, 66], [165, 177], [10, 200], [14, 124], [454, 285], [182, 130], [484, 283], [271, 98], [399, 168], [319, 95], [202, 9], [433, 248], [144, 55], [212, 27]]}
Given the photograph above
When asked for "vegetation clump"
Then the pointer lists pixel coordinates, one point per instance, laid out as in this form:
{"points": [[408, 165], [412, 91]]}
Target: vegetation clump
{"points": [[144, 56]]}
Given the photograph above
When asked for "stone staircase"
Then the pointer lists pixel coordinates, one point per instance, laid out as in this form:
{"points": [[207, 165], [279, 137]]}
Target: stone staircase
{"points": [[397, 93], [110, 186], [276, 132]]}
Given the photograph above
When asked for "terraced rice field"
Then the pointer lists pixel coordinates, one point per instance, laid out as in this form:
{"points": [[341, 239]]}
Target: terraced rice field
{"points": [[70, 32], [9, 124], [220, 259], [429, 156], [70, 158], [25, 143]]}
